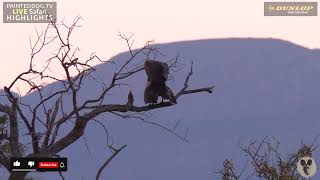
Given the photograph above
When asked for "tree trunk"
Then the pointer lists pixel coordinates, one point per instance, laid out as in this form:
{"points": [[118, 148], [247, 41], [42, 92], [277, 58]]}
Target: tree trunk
{"points": [[17, 175]]}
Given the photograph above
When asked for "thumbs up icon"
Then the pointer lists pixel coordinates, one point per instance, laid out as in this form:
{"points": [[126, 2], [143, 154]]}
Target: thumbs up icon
{"points": [[16, 163]]}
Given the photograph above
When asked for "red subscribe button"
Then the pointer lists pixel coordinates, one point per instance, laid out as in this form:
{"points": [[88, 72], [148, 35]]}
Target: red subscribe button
{"points": [[53, 165]]}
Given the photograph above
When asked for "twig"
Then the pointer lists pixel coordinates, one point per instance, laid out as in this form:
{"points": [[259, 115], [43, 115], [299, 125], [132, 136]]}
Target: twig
{"points": [[115, 153]]}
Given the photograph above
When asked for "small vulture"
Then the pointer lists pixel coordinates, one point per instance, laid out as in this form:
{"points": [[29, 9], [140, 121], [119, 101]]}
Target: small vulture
{"points": [[130, 99], [157, 73]]}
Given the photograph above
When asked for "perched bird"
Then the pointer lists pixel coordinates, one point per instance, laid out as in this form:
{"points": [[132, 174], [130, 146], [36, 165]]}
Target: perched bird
{"points": [[130, 99], [157, 73]]}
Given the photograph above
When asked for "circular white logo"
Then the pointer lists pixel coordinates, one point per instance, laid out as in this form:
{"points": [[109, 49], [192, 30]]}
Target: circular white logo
{"points": [[307, 167]]}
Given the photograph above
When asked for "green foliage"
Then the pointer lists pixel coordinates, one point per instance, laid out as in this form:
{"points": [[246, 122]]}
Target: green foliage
{"points": [[228, 171], [5, 147], [3, 122], [4, 142]]}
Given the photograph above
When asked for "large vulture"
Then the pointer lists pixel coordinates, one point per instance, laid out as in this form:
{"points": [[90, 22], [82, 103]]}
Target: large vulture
{"points": [[157, 73]]}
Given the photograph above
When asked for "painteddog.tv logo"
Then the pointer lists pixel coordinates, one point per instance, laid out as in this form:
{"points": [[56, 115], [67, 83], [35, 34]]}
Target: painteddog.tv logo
{"points": [[29, 12], [290, 8]]}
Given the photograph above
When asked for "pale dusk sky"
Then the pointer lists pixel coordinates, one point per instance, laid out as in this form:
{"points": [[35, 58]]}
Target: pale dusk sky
{"points": [[161, 21]]}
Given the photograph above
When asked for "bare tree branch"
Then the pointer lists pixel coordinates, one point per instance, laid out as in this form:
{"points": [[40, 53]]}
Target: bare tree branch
{"points": [[186, 85], [115, 153], [51, 119], [71, 81], [61, 175]]}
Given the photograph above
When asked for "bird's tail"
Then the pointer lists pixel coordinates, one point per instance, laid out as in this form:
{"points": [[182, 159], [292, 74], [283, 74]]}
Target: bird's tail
{"points": [[170, 95]]}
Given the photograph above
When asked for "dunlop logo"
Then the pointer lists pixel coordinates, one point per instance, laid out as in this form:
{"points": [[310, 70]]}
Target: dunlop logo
{"points": [[290, 8]]}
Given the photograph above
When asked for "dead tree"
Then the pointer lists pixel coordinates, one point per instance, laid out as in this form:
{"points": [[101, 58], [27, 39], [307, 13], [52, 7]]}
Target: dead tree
{"points": [[46, 117]]}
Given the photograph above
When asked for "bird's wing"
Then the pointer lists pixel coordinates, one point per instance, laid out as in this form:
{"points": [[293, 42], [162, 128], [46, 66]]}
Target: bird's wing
{"points": [[170, 95], [165, 70], [148, 69], [156, 71]]}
